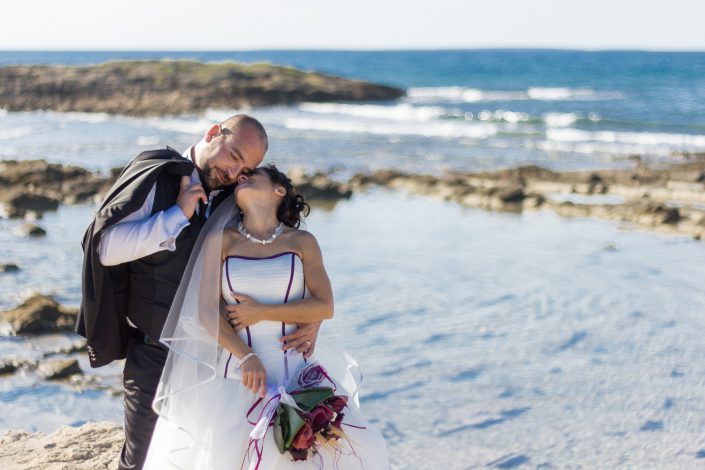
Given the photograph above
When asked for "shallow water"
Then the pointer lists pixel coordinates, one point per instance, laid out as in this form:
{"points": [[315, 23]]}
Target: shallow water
{"points": [[486, 339]]}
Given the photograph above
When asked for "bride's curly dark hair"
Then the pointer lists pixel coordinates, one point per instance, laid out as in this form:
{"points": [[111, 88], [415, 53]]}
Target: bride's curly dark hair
{"points": [[292, 208]]}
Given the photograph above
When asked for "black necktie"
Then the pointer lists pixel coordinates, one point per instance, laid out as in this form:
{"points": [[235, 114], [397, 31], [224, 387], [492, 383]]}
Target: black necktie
{"points": [[202, 212]]}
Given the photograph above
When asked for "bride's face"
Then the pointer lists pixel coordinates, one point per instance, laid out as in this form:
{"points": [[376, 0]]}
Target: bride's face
{"points": [[257, 187]]}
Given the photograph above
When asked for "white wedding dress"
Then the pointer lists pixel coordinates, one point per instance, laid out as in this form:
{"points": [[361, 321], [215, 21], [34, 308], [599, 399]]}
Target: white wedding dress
{"points": [[221, 440]]}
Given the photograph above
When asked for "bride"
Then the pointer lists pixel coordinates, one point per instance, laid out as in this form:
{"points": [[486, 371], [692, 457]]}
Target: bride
{"points": [[253, 276]]}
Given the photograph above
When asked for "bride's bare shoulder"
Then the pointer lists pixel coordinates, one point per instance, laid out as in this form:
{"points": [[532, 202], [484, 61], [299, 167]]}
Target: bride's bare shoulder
{"points": [[305, 242], [230, 239]]}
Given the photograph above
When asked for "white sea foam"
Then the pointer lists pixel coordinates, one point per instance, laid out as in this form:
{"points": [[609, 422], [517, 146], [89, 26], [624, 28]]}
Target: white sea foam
{"points": [[193, 126], [399, 112], [85, 117], [147, 141], [16, 133], [500, 115], [3, 112], [451, 93], [635, 138], [559, 119], [74, 116], [473, 95], [446, 129]]}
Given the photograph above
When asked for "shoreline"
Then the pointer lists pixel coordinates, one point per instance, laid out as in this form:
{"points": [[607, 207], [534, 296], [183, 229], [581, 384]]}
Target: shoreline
{"points": [[667, 197]]}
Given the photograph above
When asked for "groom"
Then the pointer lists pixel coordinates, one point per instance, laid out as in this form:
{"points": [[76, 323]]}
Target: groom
{"points": [[135, 252]]}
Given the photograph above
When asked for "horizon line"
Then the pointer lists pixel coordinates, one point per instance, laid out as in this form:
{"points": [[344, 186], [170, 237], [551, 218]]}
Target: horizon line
{"points": [[344, 49]]}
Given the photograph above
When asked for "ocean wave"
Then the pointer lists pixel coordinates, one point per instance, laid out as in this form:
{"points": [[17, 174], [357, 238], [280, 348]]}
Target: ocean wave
{"points": [[16, 133], [560, 119], [447, 129], [634, 138], [148, 141], [457, 94], [193, 126], [399, 112]]}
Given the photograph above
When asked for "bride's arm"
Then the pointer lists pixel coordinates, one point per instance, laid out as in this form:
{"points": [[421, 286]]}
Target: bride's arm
{"points": [[254, 375], [317, 307]]}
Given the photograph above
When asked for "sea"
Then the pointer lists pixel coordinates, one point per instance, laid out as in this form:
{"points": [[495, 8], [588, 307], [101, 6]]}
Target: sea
{"points": [[487, 340]]}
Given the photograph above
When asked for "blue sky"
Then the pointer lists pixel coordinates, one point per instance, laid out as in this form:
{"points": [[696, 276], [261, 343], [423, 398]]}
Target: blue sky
{"points": [[353, 24]]}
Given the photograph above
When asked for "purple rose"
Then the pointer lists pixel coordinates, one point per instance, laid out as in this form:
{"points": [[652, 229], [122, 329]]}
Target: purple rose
{"points": [[311, 376]]}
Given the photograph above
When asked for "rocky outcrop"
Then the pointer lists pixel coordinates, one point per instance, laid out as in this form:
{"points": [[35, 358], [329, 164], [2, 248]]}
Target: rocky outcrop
{"points": [[36, 186], [38, 314], [669, 197], [160, 87], [9, 268], [319, 188], [93, 446], [32, 187], [55, 369]]}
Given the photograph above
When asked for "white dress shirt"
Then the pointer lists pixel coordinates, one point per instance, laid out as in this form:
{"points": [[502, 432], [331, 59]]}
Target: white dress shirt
{"points": [[139, 234]]}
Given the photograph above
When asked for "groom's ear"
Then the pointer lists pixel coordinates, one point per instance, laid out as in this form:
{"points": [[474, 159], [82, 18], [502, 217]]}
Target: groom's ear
{"points": [[215, 130], [280, 191]]}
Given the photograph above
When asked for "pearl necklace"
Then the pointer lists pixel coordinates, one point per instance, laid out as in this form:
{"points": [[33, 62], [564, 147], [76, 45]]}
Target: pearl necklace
{"points": [[277, 231]]}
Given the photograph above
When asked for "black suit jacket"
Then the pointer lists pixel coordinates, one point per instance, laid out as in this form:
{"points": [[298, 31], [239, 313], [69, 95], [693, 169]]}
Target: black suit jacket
{"points": [[102, 317]]}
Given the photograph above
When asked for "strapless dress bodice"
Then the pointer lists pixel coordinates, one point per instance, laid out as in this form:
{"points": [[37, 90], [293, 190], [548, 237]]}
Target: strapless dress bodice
{"points": [[274, 279]]}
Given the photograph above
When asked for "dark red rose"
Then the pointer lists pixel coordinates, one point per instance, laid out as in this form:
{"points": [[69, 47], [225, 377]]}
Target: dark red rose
{"points": [[337, 402], [304, 438], [311, 376], [320, 417], [338, 420], [298, 454]]}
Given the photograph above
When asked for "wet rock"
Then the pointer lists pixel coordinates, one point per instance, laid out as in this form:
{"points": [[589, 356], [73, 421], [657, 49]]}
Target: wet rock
{"points": [[656, 214], [36, 186], [7, 367], [18, 205], [689, 176], [385, 177], [38, 314], [9, 268], [320, 187], [54, 369], [32, 230], [361, 181], [513, 195], [596, 185]]}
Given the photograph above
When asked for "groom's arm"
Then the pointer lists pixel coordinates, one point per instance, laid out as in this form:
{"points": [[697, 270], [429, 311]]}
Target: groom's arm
{"points": [[303, 339], [139, 234]]}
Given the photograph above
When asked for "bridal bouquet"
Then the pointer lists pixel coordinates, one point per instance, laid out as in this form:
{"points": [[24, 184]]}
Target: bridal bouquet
{"points": [[306, 417]]}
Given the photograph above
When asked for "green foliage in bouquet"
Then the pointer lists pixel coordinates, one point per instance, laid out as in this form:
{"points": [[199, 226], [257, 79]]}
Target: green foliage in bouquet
{"points": [[287, 421]]}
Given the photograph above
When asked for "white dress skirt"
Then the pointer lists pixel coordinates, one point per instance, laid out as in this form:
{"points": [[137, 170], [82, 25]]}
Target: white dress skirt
{"points": [[224, 442]]}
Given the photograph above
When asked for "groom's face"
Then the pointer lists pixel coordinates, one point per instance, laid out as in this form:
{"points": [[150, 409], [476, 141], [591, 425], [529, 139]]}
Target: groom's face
{"points": [[229, 153]]}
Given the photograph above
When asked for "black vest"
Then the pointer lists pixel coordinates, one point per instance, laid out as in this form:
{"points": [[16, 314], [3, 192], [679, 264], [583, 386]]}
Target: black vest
{"points": [[154, 279]]}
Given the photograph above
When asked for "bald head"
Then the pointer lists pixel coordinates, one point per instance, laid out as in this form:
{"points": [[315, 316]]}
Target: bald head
{"points": [[233, 122]]}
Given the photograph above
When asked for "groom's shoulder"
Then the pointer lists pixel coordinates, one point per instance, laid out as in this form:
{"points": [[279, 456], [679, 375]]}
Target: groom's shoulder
{"points": [[159, 156], [160, 159]]}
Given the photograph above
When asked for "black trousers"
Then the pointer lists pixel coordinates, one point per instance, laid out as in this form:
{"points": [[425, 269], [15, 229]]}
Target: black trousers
{"points": [[143, 368]]}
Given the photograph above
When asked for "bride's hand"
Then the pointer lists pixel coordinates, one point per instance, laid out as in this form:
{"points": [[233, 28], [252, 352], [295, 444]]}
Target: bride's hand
{"points": [[245, 313], [254, 376]]}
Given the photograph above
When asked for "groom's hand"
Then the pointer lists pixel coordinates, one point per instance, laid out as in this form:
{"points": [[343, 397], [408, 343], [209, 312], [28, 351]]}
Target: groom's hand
{"points": [[303, 339], [245, 313], [189, 195]]}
